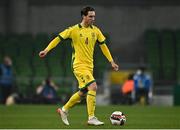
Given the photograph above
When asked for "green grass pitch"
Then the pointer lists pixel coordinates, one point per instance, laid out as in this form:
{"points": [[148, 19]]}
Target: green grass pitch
{"points": [[45, 116]]}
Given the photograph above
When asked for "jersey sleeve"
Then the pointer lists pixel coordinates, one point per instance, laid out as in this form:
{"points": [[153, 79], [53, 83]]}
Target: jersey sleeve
{"points": [[65, 34], [100, 36], [106, 52]]}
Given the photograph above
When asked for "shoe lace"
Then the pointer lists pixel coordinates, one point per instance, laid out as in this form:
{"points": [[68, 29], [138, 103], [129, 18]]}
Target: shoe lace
{"points": [[95, 118], [66, 113]]}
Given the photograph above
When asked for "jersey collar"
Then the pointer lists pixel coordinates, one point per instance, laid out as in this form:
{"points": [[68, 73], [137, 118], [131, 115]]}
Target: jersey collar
{"points": [[80, 26]]}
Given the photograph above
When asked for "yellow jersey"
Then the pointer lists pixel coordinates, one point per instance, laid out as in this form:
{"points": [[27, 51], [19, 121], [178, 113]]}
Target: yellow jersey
{"points": [[83, 44]]}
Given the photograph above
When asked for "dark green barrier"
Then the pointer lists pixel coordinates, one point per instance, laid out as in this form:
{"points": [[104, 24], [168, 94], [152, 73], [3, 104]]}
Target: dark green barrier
{"points": [[177, 95]]}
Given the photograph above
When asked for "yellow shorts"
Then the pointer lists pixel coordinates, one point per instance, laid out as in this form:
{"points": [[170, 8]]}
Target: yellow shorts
{"points": [[84, 77]]}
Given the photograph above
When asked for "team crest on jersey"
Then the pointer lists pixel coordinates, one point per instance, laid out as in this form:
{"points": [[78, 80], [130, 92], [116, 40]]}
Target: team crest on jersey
{"points": [[93, 36], [87, 77], [80, 35]]}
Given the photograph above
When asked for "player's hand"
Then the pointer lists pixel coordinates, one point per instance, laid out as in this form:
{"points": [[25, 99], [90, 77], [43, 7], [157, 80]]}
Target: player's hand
{"points": [[114, 66], [42, 53]]}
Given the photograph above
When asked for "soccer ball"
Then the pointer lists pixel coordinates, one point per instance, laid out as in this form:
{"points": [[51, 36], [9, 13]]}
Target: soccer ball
{"points": [[117, 118]]}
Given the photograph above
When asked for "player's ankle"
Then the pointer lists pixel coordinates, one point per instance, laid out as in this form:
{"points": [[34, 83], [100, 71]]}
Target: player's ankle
{"points": [[64, 110], [90, 117]]}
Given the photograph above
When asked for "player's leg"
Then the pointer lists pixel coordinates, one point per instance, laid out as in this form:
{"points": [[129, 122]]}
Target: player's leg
{"points": [[87, 82], [75, 98], [91, 105], [91, 99]]}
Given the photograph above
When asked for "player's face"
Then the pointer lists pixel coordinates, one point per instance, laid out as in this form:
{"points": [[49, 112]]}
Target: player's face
{"points": [[90, 18]]}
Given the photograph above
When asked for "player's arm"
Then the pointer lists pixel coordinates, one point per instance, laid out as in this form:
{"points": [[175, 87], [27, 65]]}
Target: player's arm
{"points": [[51, 45], [105, 50], [107, 54], [62, 36]]}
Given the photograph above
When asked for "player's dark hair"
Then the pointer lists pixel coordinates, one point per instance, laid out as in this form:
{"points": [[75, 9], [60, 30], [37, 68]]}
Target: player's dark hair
{"points": [[85, 10]]}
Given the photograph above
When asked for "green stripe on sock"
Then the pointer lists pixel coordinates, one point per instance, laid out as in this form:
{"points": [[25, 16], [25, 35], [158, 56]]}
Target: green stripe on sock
{"points": [[91, 95]]}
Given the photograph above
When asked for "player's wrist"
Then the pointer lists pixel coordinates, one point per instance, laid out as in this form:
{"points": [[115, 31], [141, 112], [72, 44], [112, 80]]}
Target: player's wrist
{"points": [[46, 50], [112, 62]]}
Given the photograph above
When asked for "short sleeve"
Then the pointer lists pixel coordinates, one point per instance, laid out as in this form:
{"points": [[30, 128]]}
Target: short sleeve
{"points": [[66, 33], [100, 36]]}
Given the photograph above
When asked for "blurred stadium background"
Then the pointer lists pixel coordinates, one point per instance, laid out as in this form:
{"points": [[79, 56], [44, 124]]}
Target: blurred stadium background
{"points": [[139, 32]]}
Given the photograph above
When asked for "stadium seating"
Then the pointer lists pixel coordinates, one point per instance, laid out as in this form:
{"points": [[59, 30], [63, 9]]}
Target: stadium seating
{"points": [[163, 54], [152, 43], [168, 54], [177, 34]]}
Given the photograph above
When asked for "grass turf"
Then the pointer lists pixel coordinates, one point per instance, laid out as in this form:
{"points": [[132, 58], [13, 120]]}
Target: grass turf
{"points": [[45, 116]]}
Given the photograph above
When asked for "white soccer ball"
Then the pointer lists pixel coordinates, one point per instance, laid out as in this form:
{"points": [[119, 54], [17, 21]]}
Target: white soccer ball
{"points": [[117, 118]]}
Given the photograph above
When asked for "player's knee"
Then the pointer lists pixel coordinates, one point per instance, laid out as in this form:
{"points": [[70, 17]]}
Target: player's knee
{"points": [[93, 87], [82, 92]]}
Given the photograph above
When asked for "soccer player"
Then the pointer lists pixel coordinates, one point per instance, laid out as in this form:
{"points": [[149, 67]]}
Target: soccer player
{"points": [[84, 36]]}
